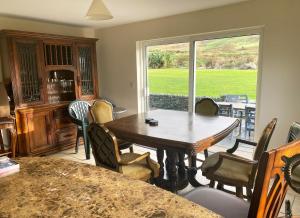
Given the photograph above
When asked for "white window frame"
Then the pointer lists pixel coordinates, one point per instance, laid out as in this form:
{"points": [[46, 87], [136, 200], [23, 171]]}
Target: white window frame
{"points": [[142, 64]]}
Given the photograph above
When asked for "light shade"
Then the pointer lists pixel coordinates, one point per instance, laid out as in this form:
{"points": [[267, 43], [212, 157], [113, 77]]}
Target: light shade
{"points": [[98, 11]]}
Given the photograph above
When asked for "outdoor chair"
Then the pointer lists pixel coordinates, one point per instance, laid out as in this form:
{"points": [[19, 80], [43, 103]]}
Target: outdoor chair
{"points": [[225, 110], [78, 111], [102, 112], [106, 153], [229, 169], [249, 120], [236, 99], [269, 190]]}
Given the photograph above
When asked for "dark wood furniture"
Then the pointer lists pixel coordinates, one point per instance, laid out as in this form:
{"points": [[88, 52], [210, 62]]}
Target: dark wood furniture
{"points": [[53, 187], [269, 190], [43, 73], [207, 107], [178, 133], [106, 152], [8, 123], [229, 169]]}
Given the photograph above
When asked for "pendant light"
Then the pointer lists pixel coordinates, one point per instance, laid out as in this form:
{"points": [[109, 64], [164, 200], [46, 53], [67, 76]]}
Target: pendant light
{"points": [[98, 11]]}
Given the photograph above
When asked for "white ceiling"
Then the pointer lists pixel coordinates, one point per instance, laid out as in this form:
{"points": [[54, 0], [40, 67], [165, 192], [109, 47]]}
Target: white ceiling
{"points": [[124, 11]]}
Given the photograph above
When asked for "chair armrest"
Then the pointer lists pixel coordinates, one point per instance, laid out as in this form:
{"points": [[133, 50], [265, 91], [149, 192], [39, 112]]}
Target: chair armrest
{"points": [[224, 156], [142, 157], [237, 142]]}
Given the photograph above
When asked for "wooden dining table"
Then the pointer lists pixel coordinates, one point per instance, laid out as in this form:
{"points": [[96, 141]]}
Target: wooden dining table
{"points": [[177, 134]]}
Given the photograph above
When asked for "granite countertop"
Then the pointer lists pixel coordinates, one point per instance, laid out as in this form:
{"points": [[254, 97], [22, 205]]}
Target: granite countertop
{"points": [[50, 187]]}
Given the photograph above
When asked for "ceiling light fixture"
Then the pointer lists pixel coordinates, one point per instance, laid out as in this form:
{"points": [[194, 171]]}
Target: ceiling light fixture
{"points": [[98, 11]]}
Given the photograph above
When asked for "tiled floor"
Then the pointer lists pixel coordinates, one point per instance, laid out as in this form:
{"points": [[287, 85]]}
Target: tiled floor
{"points": [[245, 151]]}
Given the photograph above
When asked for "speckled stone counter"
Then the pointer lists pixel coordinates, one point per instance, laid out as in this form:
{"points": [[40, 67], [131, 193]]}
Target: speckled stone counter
{"points": [[49, 187]]}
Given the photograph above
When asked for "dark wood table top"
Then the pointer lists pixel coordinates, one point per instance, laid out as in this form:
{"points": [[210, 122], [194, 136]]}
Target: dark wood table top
{"points": [[51, 187], [176, 129]]}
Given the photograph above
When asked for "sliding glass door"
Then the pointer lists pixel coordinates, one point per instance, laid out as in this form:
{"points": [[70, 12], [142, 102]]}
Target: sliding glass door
{"points": [[180, 71]]}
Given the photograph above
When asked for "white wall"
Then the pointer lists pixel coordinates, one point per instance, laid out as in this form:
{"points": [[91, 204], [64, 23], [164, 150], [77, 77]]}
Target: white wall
{"points": [[280, 57]]}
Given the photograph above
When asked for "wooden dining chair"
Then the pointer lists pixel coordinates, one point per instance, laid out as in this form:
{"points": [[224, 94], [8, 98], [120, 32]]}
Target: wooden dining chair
{"points": [[106, 152], [269, 190], [207, 107], [102, 112], [229, 169]]}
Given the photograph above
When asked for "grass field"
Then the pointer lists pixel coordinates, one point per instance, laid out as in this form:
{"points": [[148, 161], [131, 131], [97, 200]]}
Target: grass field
{"points": [[212, 83]]}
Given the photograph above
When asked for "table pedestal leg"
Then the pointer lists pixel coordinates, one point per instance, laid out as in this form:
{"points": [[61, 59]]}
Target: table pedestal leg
{"points": [[160, 153], [172, 169], [192, 170], [181, 165]]}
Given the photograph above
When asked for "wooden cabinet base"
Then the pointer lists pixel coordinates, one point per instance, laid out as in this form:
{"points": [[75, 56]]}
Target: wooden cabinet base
{"points": [[44, 129]]}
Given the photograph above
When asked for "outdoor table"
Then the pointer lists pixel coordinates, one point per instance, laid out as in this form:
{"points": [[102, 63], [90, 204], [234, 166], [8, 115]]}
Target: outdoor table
{"points": [[52, 187], [178, 133], [237, 105]]}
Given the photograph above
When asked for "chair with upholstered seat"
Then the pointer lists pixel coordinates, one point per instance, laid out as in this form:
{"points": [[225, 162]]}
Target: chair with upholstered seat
{"points": [[207, 107], [269, 190], [78, 111], [106, 152], [102, 112], [229, 169]]}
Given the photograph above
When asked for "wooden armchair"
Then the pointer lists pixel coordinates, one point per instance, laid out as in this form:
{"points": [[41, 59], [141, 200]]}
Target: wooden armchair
{"points": [[207, 107], [106, 152], [102, 112], [229, 169], [269, 190]]}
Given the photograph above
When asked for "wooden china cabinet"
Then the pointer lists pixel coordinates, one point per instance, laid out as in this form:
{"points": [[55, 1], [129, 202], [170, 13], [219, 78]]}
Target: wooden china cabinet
{"points": [[43, 73]]}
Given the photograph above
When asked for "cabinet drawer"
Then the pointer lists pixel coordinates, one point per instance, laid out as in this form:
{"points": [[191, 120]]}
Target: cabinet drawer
{"points": [[66, 136]]}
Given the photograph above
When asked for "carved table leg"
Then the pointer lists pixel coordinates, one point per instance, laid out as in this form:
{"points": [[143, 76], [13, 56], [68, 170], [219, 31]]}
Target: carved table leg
{"points": [[181, 164], [192, 170], [172, 169], [160, 159]]}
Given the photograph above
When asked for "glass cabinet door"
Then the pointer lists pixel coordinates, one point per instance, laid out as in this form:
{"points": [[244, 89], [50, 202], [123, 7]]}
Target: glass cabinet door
{"points": [[86, 70], [28, 72]]}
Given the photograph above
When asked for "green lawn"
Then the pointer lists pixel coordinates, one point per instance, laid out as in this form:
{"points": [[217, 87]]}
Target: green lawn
{"points": [[212, 83]]}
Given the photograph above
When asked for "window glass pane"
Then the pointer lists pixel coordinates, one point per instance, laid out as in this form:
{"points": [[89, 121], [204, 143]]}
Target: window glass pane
{"points": [[168, 76]]}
